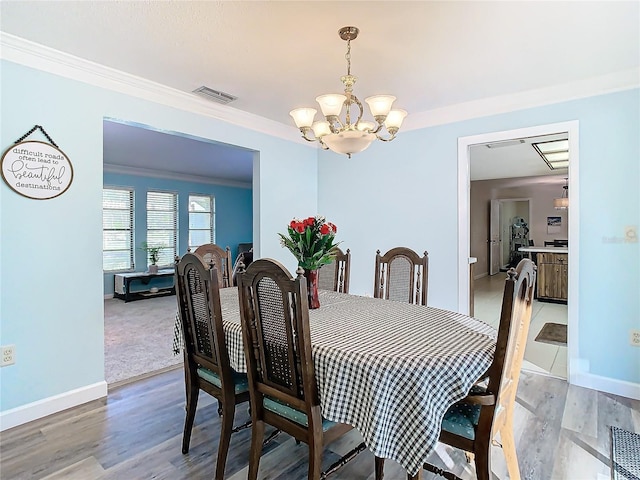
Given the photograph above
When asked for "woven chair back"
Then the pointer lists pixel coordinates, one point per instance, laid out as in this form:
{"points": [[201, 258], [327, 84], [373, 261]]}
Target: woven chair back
{"points": [[335, 275], [275, 327], [199, 308], [221, 258], [402, 275]]}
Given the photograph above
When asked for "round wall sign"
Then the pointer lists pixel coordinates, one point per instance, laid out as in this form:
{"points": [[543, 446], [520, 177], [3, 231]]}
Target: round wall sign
{"points": [[37, 170]]}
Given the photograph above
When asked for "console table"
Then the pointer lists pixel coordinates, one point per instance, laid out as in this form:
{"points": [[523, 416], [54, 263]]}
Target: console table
{"points": [[122, 285]]}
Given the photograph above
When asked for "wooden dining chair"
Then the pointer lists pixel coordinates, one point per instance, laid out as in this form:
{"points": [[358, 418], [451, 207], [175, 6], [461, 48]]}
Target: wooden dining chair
{"points": [[206, 359], [473, 423], [221, 257], [402, 275], [277, 343], [335, 275]]}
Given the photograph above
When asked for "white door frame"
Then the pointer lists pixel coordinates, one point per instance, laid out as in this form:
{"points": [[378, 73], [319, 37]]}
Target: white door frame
{"points": [[574, 368]]}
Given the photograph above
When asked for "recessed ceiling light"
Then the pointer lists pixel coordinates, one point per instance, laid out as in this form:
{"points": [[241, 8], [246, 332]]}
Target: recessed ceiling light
{"points": [[554, 153]]}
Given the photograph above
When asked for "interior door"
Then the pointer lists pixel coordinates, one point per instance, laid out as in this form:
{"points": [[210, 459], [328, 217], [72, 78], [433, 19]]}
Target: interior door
{"points": [[494, 237]]}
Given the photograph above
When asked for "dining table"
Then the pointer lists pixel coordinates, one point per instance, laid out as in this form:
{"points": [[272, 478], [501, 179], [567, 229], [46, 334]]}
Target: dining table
{"points": [[391, 369]]}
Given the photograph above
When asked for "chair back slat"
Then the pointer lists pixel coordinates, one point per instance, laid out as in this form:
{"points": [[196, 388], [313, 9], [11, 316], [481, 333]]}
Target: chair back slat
{"points": [[335, 275], [275, 324], [402, 275], [199, 308]]}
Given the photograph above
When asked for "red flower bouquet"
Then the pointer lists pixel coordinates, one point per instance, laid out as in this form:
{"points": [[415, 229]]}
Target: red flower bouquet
{"points": [[311, 240]]}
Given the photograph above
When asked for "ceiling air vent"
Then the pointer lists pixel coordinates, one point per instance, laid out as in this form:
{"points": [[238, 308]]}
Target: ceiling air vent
{"points": [[215, 95]]}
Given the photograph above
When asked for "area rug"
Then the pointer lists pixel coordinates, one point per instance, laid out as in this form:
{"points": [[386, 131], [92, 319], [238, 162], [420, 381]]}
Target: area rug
{"points": [[138, 337], [553, 333], [625, 454]]}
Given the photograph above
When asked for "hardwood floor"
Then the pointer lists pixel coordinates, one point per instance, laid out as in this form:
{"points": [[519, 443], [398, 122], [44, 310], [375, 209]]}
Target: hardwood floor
{"points": [[562, 432]]}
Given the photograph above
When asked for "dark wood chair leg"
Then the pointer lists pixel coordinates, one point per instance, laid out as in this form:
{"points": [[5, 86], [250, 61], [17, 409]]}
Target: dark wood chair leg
{"points": [[192, 403], [315, 459], [482, 459], [379, 468], [228, 414], [257, 435]]}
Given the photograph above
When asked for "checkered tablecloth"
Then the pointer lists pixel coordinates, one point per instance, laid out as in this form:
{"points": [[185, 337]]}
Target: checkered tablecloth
{"points": [[388, 368]]}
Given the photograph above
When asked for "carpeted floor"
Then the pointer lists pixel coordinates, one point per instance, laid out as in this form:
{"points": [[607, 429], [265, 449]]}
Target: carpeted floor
{"points": [[138, 337]]}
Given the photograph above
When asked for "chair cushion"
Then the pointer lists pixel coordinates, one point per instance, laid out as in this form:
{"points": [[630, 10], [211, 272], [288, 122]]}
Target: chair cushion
{"points": [[462, 418], [240, 380], [293, 414]]}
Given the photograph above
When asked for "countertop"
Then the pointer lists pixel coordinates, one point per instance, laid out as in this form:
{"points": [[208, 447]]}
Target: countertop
{"points": [[544, 249]]}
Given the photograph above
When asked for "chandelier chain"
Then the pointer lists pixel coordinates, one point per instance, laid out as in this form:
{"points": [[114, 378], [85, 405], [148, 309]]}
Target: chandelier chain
{"points": [[347, 56]]}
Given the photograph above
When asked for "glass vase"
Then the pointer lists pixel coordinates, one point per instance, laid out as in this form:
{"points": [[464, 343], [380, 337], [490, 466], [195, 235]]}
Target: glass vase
{"points": [[312, 288]]}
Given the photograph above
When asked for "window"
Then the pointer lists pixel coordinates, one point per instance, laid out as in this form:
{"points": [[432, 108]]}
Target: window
{"points": [[201, 220], [117, 229], [162, 224]]}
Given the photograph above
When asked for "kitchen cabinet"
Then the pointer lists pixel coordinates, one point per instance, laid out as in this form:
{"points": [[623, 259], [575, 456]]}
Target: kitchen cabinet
{"points": [[553, 274]]}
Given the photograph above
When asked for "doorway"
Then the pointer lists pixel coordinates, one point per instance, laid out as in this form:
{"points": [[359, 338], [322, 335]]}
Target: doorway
{"points": [[464, 195], [140, 159], [508, 231]]}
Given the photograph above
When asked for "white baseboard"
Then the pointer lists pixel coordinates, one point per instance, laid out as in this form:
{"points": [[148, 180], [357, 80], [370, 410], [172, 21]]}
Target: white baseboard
{"points": [[41, 408], [480, 275], [606, 384], [108, 296]]}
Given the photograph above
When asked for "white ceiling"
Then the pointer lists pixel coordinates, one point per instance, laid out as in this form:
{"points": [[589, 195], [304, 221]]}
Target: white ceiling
{"points": [[278, 55], [135, 149], [513, 158]]}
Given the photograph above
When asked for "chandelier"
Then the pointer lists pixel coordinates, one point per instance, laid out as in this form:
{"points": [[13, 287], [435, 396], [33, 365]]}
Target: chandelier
{"points": [[562, 203], [351, 134]]}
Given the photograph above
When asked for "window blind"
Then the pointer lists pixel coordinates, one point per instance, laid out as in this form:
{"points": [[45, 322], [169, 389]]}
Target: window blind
{"points": [[117, 229], [162, 225]]}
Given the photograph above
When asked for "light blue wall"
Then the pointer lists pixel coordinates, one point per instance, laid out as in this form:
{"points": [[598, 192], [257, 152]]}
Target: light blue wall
{"points": [[51, 251], [405, 193], [233, 218]]}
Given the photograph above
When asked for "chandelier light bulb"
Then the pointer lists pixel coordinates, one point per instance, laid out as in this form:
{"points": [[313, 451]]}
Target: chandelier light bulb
{"points": [[366, 126], [395, 119], [321, 128], [303, 117], [380, 105], [331, 104]]}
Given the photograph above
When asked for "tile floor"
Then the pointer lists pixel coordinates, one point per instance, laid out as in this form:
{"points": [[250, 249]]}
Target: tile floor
{"points": [[538, 357]]}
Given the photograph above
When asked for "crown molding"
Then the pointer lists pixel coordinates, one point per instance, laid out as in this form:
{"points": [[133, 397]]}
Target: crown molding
{"points": [[610, 83], [34, 55], [41, 57], [145, 172]]}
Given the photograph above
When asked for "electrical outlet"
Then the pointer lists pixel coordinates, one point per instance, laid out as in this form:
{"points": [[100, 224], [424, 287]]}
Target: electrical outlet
{"points": [[8, 355], [634, 338]]}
